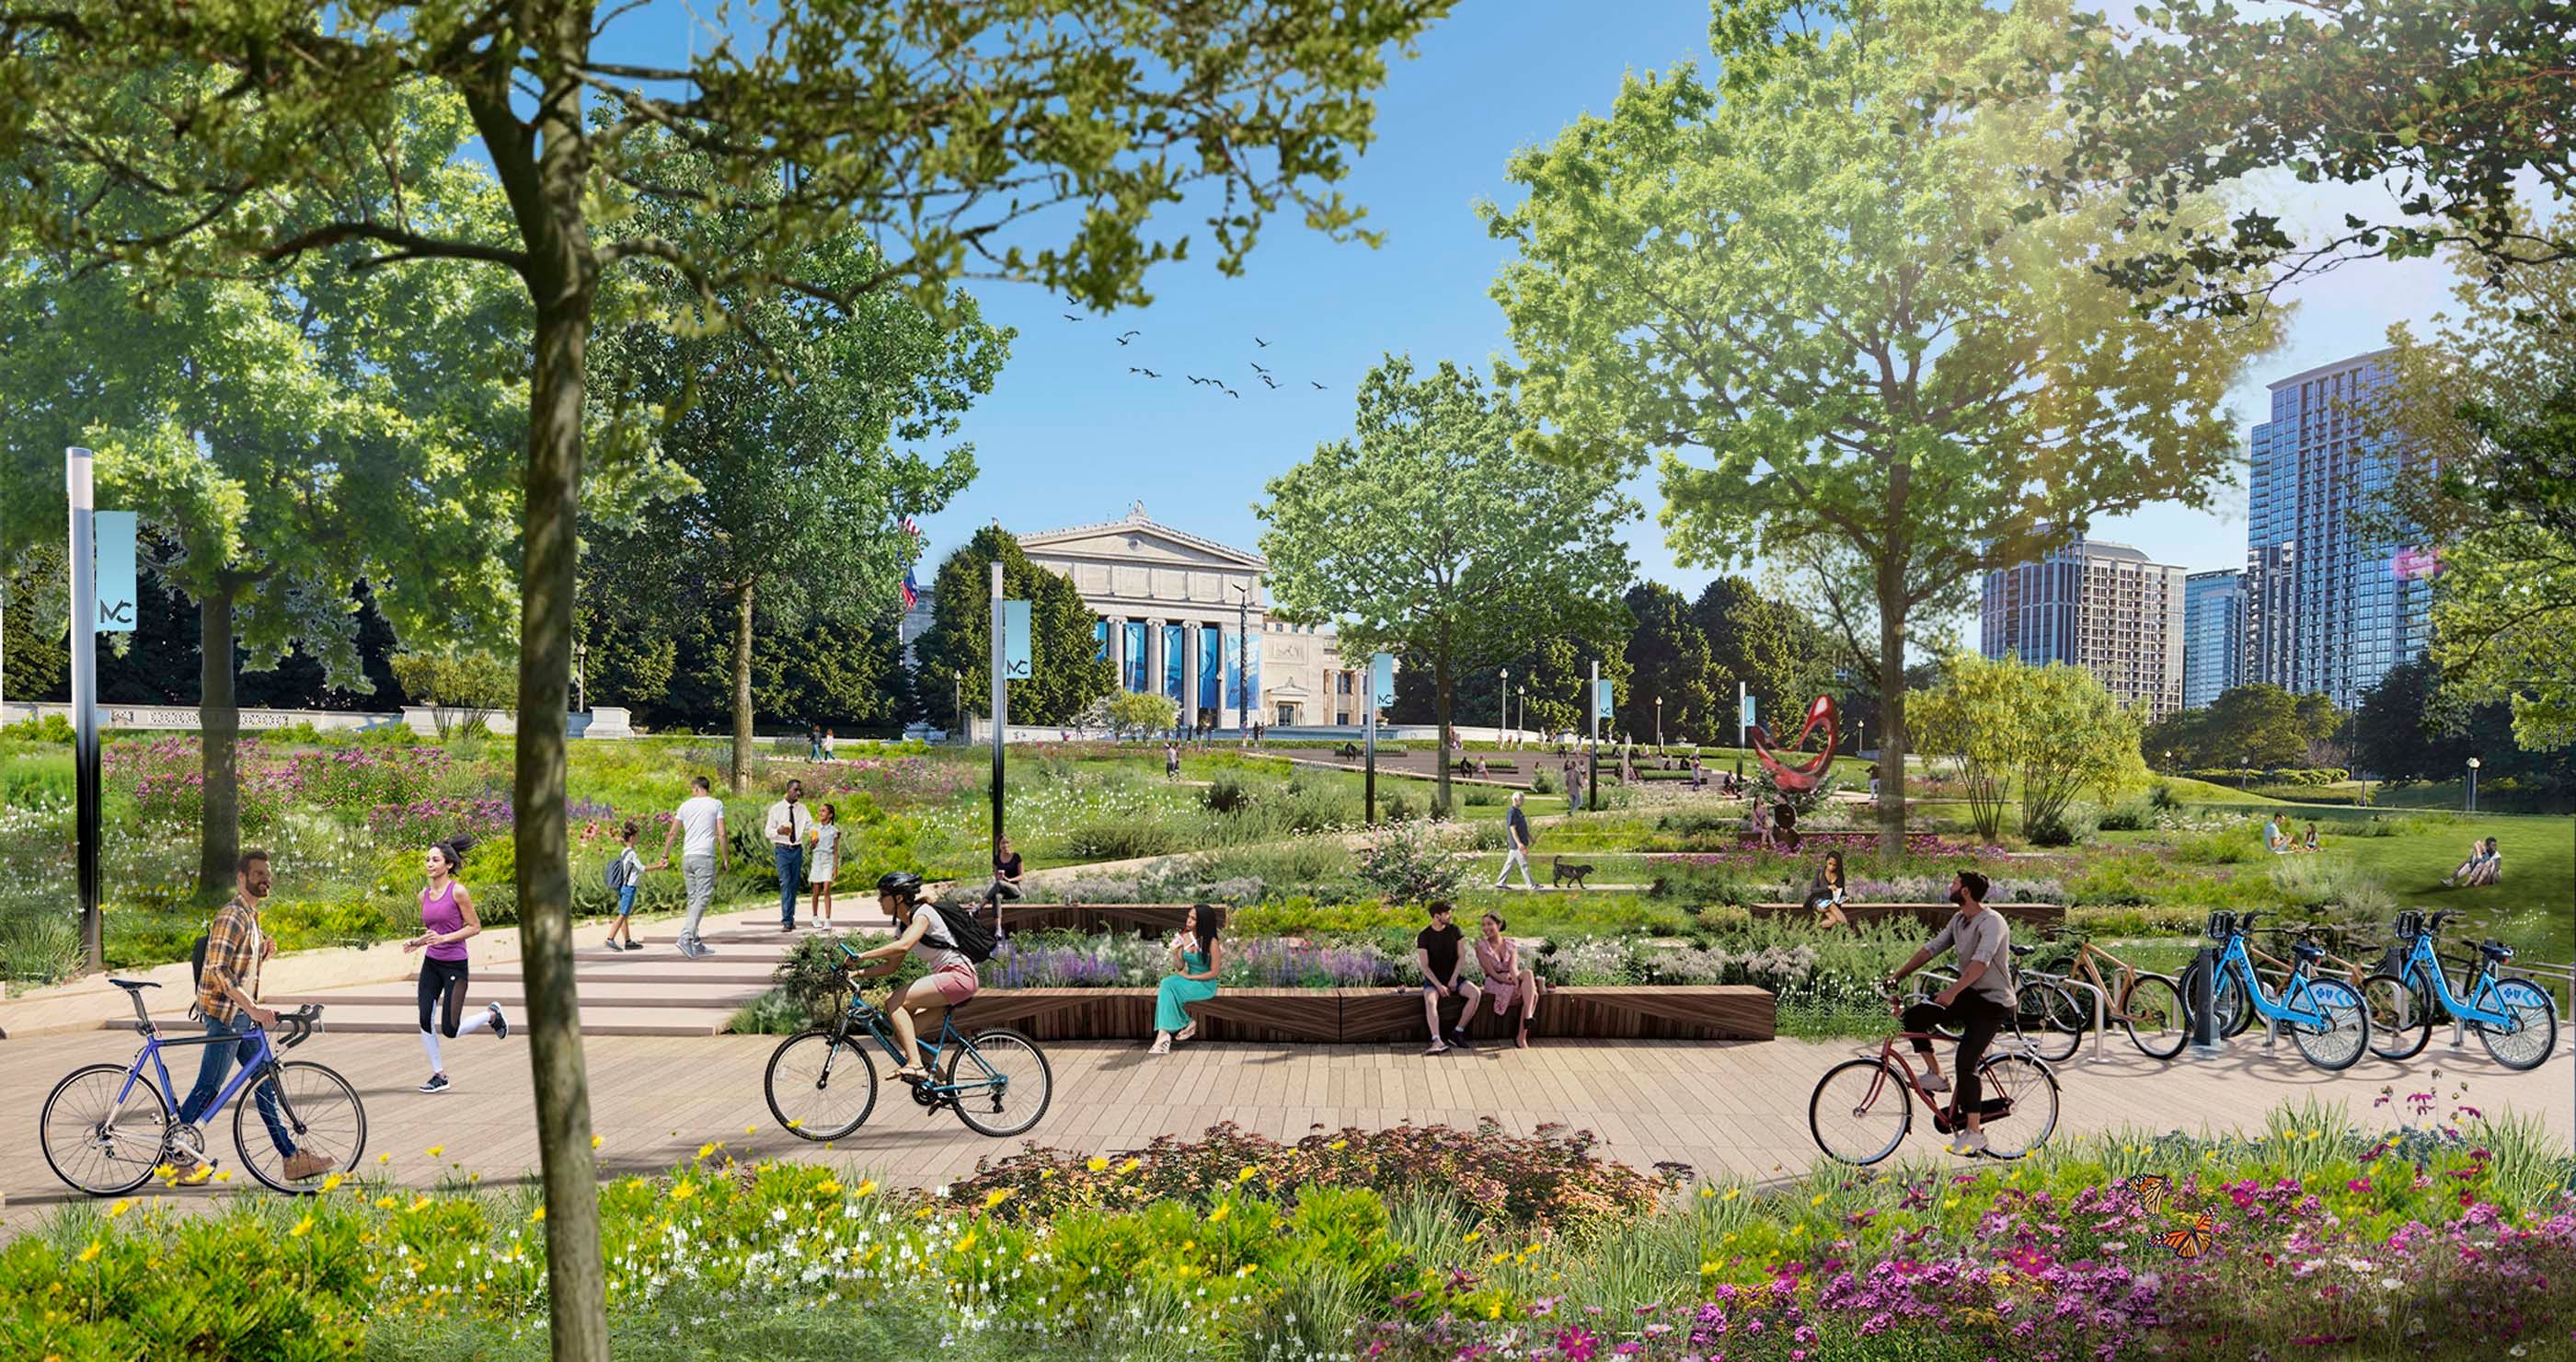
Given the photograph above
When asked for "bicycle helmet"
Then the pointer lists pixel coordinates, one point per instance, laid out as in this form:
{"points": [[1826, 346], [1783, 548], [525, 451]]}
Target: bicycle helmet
{"points": [[902, 882]]}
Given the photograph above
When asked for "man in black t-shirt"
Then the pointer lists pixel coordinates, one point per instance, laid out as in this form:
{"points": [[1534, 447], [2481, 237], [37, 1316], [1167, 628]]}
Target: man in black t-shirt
{"points": [[1436, 950]]}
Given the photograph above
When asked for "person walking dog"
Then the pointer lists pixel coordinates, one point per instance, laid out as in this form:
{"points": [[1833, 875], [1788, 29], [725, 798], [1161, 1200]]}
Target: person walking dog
{"points": [[1516, 834]]}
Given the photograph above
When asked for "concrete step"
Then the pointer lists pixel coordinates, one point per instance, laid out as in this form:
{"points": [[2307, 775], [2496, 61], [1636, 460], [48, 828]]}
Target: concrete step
{"points": [[514, 1000], [379, 1019], [672, 973]]}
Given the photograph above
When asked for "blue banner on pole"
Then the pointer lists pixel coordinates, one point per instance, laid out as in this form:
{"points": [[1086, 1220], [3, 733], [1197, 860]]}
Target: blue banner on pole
{"points": [[1382, 680], [114, 532], [1015, 640], [1748, 711], [1601, 699]]}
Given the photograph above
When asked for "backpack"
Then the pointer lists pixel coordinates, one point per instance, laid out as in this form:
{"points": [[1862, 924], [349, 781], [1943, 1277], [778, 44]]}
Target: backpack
{"points": [[613, 875], [973, 939], [197, 962]]}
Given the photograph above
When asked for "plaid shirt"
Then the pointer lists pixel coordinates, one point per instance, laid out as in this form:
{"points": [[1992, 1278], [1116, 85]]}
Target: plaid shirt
{"points": [[232, 953]]}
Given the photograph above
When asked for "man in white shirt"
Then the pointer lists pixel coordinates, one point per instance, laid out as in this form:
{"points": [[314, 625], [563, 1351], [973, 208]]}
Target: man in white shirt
{"points": [[789, 823], [700, 820]]}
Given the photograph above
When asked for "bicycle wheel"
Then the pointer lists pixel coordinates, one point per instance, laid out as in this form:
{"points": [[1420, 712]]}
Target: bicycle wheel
{"points": [[820, 1084], [317, 1110], [2047, 1018], [2534, 1033], [2031, 1090], [97, 1142], [2152, 1010], [1006, 1084], [1860, 1111], [2227, 997], [2339, 1042], [2401, 1016]]}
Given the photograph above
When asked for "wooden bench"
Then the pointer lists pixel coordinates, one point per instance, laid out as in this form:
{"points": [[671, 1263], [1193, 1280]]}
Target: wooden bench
{"points": [[1143, 919], [1931, 917], [1377, 1015], [1851, 841]]}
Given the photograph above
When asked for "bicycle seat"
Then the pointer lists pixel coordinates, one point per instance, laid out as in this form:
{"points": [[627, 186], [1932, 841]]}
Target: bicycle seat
{"points": [[2020, 949], [2308, 951], [130, 985], [2495, 950]]}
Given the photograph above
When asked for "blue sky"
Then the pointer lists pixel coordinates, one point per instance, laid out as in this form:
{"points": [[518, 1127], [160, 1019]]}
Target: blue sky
{"points": [[1069, 437]]}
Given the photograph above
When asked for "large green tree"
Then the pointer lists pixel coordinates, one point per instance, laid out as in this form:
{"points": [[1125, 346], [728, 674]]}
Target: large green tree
{"points": [[2447, 109], [2049, 732], [1429, 536], [1812, 285], [944, 132], [1066, 669], [1669, 659]]}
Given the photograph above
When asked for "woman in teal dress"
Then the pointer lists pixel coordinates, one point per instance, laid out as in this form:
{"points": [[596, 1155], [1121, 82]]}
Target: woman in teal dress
{"points": [[1195, 962]]}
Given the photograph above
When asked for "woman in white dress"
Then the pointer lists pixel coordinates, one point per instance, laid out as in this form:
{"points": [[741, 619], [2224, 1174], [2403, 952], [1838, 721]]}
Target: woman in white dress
{"points": [[823, 862]]}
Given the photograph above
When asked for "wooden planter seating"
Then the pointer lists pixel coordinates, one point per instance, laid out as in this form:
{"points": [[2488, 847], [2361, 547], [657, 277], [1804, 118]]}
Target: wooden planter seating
{"points": [[1143, 919], [1931, 917], [1854, 841], [1376, 1015]]}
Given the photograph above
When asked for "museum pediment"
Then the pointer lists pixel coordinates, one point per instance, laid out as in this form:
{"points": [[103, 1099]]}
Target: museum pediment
{"points": [[1139, 541]]}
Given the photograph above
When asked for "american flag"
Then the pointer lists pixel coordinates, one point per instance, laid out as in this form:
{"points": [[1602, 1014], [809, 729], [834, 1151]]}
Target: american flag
{"points": [[911, 587]]}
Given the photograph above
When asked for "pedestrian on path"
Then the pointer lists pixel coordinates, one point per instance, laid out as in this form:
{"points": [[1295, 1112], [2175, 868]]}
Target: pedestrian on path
{"points": [[627, 876], [1506, 977], [1195, 963], [447, 922], [788, 822], [228, 1000], [699, 829], [915, 1008], [1171, 761], [1435, 949], [830, 745], [1516, 835], [823, 863]]}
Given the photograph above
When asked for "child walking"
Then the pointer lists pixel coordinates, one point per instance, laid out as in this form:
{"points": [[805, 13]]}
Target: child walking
{"points": [[822, 863], [630, 874]]}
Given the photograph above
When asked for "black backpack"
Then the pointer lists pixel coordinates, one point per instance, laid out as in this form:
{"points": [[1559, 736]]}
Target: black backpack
{"points": [[974, 940], [197, 961]]}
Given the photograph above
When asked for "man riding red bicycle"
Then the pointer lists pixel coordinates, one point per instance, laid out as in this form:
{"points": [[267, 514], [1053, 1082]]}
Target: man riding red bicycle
{"points": [[1978, 1006]]}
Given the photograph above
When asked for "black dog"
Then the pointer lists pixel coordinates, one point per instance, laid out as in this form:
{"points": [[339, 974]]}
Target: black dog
{"points": [[1562, 870]]}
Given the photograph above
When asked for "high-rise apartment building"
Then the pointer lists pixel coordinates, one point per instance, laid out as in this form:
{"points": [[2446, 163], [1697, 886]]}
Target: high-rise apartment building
{"points": [[2097, 605], [2213, 635], [2329, 605]]}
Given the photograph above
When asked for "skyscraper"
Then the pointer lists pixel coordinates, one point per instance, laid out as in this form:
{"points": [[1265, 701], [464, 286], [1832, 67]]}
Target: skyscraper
{"points": [[2213, 635], [2097, 605], [2329, 606]]}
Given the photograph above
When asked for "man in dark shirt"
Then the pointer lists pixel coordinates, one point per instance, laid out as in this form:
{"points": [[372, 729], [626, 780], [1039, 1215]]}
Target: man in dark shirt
{"points": [[1436, 950], [1516, 838]]}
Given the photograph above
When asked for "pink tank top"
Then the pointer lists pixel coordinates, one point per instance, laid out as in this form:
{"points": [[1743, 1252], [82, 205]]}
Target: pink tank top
{"points": [[441, 914]]}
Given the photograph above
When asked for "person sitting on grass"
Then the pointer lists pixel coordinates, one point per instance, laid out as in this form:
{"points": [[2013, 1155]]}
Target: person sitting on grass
{"points": [[1980, 1004], [1196, 962], [2309, 842], [2274, 840], [1507, 977], [2484, 866], [1436, 951]]}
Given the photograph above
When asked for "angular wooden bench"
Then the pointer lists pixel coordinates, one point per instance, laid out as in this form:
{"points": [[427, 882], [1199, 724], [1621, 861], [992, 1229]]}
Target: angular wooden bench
{"points": [[1143, 919], [1931, 917], [1356, 1016]]}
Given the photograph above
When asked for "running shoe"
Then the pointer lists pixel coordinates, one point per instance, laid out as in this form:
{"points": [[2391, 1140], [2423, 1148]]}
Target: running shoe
{"points": [[436, 1083], [1968, 1144], [500, 1022]]}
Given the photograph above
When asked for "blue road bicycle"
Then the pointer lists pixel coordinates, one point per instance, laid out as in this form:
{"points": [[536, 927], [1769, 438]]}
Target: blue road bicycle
{"points": [[107, 1127], [2325, 1017], [821, 1085], [2516, 1018]]}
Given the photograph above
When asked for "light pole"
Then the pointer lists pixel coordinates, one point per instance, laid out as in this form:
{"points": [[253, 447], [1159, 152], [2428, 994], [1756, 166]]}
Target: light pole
{"points": [[580, 673], [1242, 658], [2473, 785], [1506, 719], [1659, 725]]}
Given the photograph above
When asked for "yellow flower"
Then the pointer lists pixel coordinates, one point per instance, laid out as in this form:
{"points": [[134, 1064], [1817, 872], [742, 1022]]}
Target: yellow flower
{"points": [[1706, 1191], [999, 1195], [419, 1202], [436, 1150], [302, 1228], [385, 1203], [537, 1216], [1473, 1236], [1817, 1200], [1095, 1163], [1220, 1213], [682, 1191], [797, 1124], [827, 1187], [224, 1176], [123, 1204], [1339, 1145], [1248, 1174], [709, 1147], [868, 1188], [332, 1183], [1949, 1203], [596, 1142], [90, 1254], [746, 1130], [966, 1243], [384, 1158], [1732, 1193], [1131, 1165]]}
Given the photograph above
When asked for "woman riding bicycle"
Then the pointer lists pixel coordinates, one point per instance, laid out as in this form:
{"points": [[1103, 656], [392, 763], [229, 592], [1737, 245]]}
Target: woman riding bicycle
{"points": [[1980, 1004], [949, 984]]}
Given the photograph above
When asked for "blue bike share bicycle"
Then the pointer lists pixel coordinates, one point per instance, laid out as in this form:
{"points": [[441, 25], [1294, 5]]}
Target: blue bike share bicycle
{"points": [[2325, 1017], [821, 1085], [107, 1127], [2516, 1018]]}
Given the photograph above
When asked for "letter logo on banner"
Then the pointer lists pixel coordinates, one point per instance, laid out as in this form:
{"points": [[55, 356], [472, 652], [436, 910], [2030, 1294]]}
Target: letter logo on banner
{"points": [[1382, 680], [113, 532], [1015, 640], [1601, 699]]}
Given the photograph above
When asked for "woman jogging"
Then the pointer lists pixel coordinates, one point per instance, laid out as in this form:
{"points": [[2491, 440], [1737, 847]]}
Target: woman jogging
{"points": [[630, 877], [447, 920], [950, 982], [1194, 956], [823, 863]]}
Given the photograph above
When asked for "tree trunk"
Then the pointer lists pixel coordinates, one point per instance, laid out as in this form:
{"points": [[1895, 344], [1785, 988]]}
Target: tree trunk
{"points": [[1892, 737], [1442, 695], [738, 776], [218, 735]]}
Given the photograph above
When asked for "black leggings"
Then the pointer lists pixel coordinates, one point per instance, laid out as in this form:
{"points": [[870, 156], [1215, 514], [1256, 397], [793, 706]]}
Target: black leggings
{"points": [[443, 977], [1978, 1018]]}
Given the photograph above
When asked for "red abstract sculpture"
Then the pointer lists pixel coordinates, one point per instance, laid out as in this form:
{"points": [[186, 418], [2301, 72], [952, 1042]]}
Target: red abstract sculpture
{"points": [[1804, 777]]}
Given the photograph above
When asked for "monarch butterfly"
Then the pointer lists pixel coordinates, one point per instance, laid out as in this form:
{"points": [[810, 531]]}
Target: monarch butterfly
{"points": [[2191, 1242], [2149, 1189]]}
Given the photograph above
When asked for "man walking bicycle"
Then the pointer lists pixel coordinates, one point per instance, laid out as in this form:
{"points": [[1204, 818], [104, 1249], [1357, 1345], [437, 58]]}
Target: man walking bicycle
{"points": [[227, 997]]}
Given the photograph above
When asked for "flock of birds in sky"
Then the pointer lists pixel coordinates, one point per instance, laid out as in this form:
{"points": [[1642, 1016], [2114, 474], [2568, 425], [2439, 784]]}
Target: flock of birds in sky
{"points": [[1268, 378]]}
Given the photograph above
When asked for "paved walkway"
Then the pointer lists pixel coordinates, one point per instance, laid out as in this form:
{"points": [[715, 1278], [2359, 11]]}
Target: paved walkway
{"points": [[1726, 1109]]}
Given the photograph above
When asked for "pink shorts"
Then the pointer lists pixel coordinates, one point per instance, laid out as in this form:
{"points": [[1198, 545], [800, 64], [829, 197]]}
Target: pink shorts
{"points": [[954, 983]]}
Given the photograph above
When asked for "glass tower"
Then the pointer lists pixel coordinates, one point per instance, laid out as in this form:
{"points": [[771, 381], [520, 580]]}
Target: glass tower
{"points": [[2213, 641], [2329, 606]]}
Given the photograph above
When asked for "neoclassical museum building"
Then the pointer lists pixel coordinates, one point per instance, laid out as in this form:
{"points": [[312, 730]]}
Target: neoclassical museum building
{"points": [[1186, 616]]}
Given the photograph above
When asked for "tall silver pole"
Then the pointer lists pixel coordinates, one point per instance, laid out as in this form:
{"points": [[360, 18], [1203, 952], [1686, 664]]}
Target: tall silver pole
{"points": [[1592, 701], [84, 646], [1001, 718]]}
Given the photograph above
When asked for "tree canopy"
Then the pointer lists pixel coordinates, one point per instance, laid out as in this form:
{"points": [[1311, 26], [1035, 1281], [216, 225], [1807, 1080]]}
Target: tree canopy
{"points": [[1428, 535], [2051, 732], [1066, 670], [1812, 287]]}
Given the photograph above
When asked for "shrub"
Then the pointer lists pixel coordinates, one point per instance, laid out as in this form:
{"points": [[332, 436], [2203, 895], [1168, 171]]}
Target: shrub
{"points": [[2129, 815], [1409, 862], [1398, 808], [51, 728], [1226, 794], [1120, 840], [2063, 828], [1542, 780]]}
